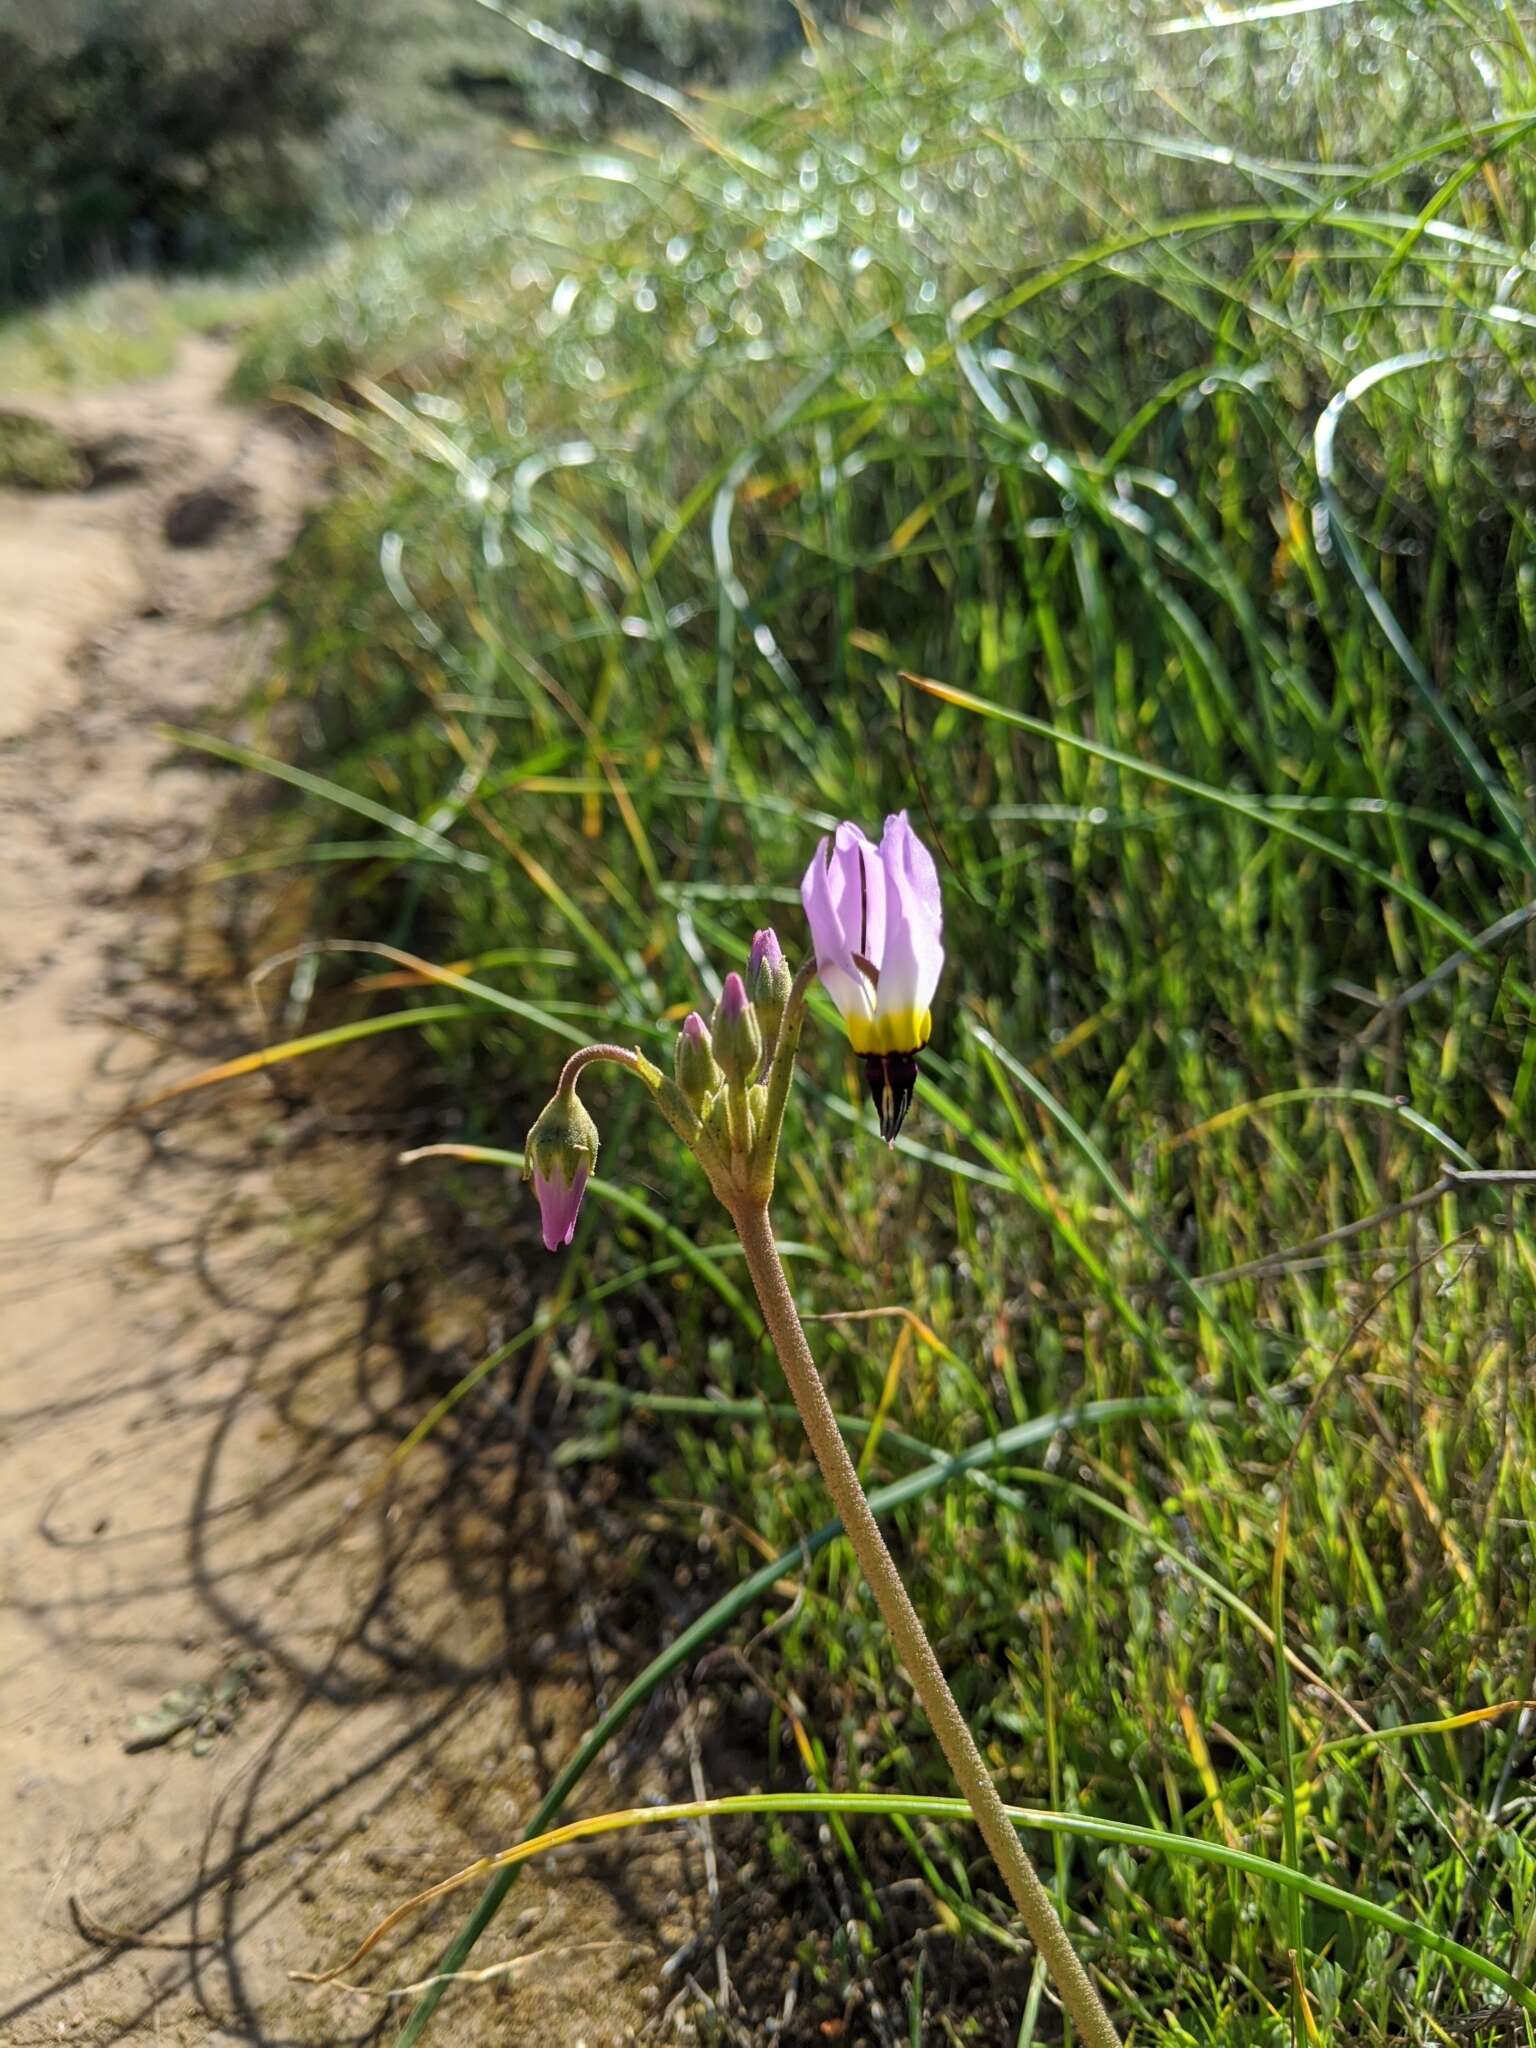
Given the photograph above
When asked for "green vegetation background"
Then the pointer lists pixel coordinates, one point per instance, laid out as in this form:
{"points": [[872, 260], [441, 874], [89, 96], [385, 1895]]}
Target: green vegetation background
{"points": [[1168, 388]]}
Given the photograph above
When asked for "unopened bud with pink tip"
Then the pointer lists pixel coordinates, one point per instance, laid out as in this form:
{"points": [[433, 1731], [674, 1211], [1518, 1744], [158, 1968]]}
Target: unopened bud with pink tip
{"points": [[693, 1063], [558, 1157], [768, 983], [735, 1034]]}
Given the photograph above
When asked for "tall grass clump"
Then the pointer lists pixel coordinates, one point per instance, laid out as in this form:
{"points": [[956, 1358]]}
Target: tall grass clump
{"points": [[1113, 441]]}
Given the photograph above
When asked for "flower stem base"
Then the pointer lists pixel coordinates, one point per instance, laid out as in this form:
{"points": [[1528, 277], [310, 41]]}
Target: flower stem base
{"points": [[1079, 1998]]}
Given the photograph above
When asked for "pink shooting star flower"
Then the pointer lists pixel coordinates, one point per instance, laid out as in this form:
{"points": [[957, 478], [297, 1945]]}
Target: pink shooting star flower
{"points": [[876, 923]]}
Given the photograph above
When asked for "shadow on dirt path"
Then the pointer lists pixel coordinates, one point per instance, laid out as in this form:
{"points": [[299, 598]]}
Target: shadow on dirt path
{"points": [[248, 1699]]}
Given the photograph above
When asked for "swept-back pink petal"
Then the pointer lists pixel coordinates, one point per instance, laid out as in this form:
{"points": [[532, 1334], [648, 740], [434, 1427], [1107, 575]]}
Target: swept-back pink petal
{"points": [[876, 920], [914, 950], [910, 867], [913, 961], [858, 880], [830, 891], [559, 1205]]}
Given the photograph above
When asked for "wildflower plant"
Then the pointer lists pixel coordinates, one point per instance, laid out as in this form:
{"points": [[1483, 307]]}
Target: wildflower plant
{"points": [[876, 923]]}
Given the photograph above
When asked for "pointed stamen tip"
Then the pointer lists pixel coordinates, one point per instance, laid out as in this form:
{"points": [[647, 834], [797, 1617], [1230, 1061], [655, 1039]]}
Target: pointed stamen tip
{"points": [[892, 1082]]}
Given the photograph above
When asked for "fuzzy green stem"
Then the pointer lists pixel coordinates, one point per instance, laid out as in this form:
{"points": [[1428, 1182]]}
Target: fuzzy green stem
{"points": [[1078, 1996], [738, 1118], [668, 1097], [621, 1056], [781, 1071]]}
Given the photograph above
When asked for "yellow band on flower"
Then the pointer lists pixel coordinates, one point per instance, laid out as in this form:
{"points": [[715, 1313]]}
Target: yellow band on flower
{"points": [[895, 1031]]}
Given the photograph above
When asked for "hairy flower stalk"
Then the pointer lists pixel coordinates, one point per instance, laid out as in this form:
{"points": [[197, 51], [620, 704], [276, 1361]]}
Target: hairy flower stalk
{"points": [[1078, 1996], [875, 920]]}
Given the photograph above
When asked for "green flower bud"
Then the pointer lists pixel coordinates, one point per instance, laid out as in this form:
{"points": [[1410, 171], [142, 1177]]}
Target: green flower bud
{"points": [[694, 1063], [735, 1034], [559, 1154], [768, 983]]}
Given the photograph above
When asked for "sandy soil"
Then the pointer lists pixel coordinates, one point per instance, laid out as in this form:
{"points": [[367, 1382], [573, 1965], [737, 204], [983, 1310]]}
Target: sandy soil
{"points": [[213, 1328]]}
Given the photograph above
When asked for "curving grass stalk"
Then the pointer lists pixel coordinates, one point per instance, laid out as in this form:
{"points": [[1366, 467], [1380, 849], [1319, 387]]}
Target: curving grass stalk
{"points": [[1298, 1884]]}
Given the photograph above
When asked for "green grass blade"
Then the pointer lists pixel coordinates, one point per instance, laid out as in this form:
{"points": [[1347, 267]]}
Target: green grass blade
{"points": [[332, 792], [1268, 819], [1417, 1934], [1471, 757]]}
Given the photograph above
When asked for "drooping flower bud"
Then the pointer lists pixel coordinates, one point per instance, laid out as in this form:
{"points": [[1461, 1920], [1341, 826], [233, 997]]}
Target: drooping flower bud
{"points": [[694, 1063], [558, 1157], [735, 1035], [768, 983]]}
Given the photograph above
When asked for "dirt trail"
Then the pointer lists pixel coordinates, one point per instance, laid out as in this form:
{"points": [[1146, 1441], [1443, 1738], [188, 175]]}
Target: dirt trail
{"points": [[209, 1338]]}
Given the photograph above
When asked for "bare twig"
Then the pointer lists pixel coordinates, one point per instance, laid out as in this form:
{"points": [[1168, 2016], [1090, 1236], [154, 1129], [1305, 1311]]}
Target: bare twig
{"points": [[492, 1971], [103, 1936], [1451, 1178], [711, 1862], [1502, 928]]}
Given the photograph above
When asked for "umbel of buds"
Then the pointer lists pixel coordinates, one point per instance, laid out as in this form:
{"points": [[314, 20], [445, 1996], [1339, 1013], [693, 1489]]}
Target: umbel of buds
{"points": [[876, 924]]}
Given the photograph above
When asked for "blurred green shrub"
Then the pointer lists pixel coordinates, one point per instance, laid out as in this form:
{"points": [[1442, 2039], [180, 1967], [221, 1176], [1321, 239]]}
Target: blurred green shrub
{"points": [[156, 131], [193, 133], [36, 457]]}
